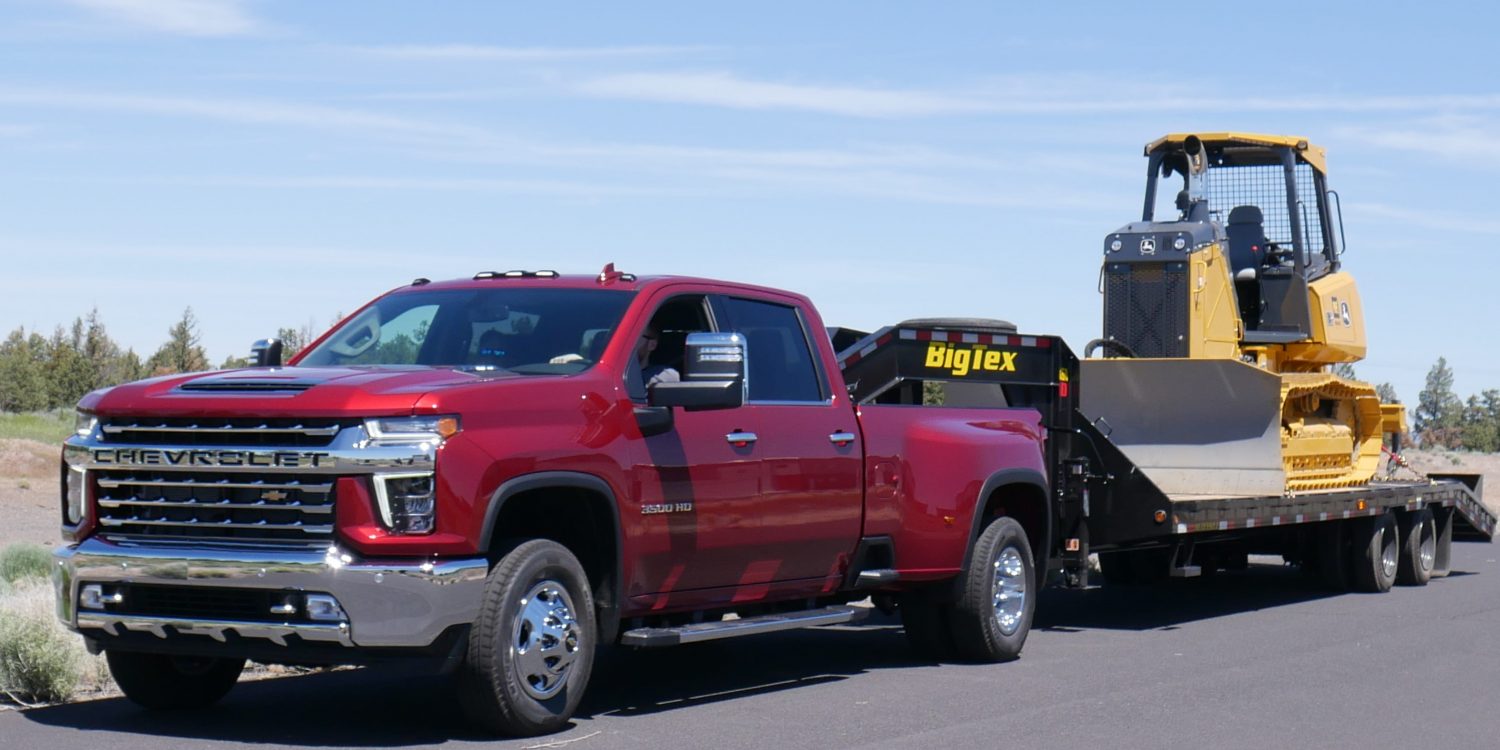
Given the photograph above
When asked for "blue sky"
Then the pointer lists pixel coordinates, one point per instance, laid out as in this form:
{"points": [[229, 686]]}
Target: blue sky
{"points": [[272, 163]]}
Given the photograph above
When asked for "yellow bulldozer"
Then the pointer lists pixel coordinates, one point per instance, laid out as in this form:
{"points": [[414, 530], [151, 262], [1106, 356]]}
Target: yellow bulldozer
{"points": [[1226, 310]]}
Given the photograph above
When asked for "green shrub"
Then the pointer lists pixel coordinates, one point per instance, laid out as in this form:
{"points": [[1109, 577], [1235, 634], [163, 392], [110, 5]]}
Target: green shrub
{"points": [[22, 561], [40, 661]]}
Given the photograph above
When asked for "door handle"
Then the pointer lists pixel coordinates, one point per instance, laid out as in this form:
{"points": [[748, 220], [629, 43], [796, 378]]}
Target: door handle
{"points": [[841, 438], [741, 439]]}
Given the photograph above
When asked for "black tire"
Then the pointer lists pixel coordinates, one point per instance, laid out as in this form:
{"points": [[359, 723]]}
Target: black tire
{"points": [[1443, 561], [1376, 553], [1418, 548], [1117, 568], [162, 682], [996, 595], [1334, 558], [531, 651], [925, 618]]}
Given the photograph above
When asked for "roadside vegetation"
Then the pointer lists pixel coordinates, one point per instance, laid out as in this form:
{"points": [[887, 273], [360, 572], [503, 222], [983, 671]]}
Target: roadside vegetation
{"points": [[49, 427], [40, 660]]}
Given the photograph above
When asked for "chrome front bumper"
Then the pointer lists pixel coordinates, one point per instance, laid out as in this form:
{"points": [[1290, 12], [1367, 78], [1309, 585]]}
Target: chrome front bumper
{"points": [[386, 603]]}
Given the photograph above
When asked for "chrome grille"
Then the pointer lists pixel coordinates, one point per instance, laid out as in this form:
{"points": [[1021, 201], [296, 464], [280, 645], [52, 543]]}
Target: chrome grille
{"points": [[211, 506], [297, 433]]}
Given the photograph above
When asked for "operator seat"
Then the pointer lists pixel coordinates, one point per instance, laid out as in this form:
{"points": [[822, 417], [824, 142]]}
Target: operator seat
{"points": [[1247, 253]]}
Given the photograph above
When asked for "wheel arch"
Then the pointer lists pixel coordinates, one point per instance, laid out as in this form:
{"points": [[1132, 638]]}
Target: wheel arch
{"points": [[521, 503], [1020, 494]]}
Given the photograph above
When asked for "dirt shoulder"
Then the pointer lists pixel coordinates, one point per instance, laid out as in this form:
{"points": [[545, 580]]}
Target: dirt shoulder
{"points": [[1461, 462], [28, 493]]}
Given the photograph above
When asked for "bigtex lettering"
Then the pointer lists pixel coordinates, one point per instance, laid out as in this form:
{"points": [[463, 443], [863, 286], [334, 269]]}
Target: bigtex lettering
{"points": [[975, 358]]}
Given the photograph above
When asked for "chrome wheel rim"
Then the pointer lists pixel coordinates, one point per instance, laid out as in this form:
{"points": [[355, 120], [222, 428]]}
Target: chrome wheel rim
{"points": [[545, 640], [1010, 590], [1387, 555], [1427, 547]]}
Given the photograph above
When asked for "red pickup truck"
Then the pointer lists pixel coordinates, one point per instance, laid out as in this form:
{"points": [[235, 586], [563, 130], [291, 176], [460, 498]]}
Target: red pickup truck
{"points": [[503, 473]]}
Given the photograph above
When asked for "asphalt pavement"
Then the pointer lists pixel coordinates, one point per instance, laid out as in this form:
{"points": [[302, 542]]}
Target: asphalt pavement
{"points": [[1254, 659]]}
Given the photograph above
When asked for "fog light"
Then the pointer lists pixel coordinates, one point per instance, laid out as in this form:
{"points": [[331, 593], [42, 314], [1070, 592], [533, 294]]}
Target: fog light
{"points": [[407, 502], [93, 596], [324, 608]]}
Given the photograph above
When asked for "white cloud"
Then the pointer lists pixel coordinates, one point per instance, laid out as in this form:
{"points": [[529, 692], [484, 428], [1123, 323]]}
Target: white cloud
{"points": [[727, 90], [1442, 221], [518, 54], [206, 18], [244, 111], [1013, 95], [1458, 140]]}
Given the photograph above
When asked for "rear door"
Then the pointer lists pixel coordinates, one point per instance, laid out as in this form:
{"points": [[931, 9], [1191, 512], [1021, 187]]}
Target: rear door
{"points": [[805, 521]]}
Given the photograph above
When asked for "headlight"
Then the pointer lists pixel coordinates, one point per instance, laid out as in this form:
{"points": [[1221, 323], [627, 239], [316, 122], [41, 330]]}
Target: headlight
{"points": [[406, 430], [408, 504], [75, 493], [84, 423]]}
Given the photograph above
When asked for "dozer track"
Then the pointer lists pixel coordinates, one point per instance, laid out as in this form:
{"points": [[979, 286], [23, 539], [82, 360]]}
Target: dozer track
{"points": [[1330, 431]]}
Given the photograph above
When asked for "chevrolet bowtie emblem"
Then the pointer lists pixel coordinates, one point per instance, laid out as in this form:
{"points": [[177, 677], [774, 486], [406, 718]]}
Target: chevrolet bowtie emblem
{"points": [[273, 495]]}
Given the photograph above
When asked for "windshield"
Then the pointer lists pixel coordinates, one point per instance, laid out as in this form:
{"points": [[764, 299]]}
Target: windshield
{"points": [[527, 330]]}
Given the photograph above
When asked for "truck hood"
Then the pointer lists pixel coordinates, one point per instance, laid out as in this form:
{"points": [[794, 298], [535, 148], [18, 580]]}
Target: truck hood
{"points": [[283, 391]]}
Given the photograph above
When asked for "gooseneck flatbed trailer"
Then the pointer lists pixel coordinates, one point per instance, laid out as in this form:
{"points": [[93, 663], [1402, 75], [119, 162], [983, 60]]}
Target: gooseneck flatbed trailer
{"points": [[1364, 538]]}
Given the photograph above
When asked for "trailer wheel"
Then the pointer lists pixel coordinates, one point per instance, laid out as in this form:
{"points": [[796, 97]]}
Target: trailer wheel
{"points": [[997, 595], [1333, 556], [532, 648], [1418, 548], [1443, 551], [1377, 552], [164, 682], [925, 619], [1116, 568]]}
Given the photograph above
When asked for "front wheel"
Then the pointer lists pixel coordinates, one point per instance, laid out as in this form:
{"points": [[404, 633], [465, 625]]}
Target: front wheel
{"points": [[163, 682], [532, 649], [997, 595]]}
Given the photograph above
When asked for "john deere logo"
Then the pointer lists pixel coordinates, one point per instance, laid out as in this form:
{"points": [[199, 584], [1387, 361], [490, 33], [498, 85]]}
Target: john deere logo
{"points": [[1148, 246]]}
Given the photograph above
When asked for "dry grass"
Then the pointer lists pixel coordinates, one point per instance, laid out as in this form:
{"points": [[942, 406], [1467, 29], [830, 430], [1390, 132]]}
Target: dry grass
{"points": [[40, 660]]}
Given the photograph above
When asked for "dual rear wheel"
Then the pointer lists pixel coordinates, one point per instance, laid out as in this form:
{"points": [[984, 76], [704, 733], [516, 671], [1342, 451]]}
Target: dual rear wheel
{"points": [[987, 615]]}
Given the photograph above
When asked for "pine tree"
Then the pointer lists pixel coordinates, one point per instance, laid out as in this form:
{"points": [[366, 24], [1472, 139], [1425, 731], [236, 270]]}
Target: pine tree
{"points": [[182, 352], [22, 383], [1344, 370], [1387, 393], [68, 373], [1439, 411]]}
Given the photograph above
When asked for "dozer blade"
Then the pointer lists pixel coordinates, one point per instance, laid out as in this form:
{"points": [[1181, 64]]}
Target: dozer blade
{"points": [[1194, 426]]}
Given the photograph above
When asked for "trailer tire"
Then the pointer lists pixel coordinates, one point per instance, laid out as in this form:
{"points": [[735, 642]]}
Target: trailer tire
{"points": [[1443, 552], [1116, 568], [531, 650], [1418, 548], [1377, 552], [162, 682], [1333, 557], [996, 595], [925, 618]]}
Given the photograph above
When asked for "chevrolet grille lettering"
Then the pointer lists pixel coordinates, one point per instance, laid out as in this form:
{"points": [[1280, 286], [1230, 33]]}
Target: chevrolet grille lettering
{"points": [[202, 457]]}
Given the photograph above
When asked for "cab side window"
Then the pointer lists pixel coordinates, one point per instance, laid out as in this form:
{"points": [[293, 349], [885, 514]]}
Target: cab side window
{"points": [[781, 362]]}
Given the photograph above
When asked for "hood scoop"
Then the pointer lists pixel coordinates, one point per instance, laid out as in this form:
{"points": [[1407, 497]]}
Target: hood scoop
{"points": [[248, 383]]}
